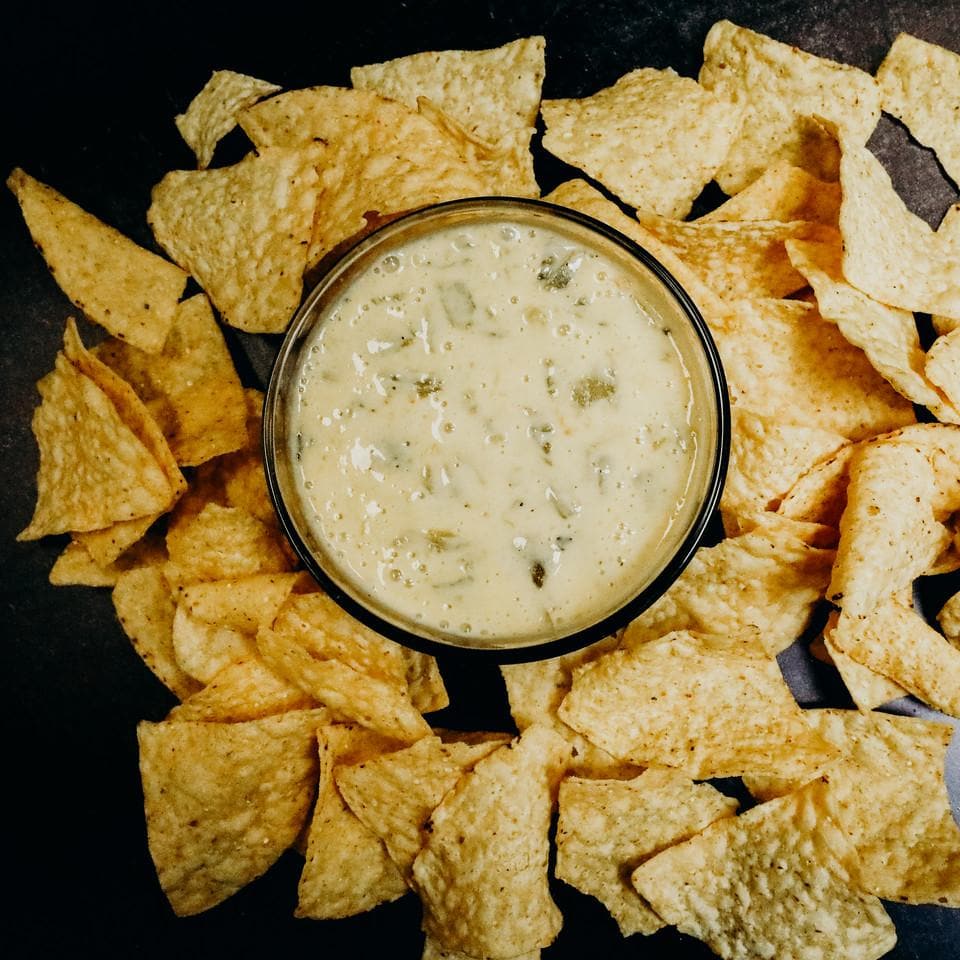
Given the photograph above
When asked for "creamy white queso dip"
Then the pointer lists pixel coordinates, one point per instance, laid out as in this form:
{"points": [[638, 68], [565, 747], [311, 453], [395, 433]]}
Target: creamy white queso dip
{"points": [[490, 433]]}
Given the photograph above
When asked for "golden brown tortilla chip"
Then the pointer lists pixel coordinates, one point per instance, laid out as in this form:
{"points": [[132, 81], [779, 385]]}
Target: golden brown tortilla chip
{"points": [[75, 566], [244, 603], [781, 89], [942, 369], [128, 290]]}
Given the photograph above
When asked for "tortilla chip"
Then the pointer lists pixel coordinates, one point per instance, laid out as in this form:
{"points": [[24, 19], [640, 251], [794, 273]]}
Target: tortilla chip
{"points": [[220, 543], [204, 649], [920, 85], [766, 460], [145, 609], [949, 231], [943, 371], [537, 688], [784, 361], [738, 260], [888, 534], [888, 252], [243, 690], [347, 870], [782, 192], [381, 156], [242, 232], [482, 875], [190, 387], [767, 579], [394, 794], [94, 469], [887, 336], [492, 93], [781, 89], [312, 646], [75, 566], [212, 113], [729, 885], [425, 683], [223, 801], [244, 604], [895, 641], [676, 702], [949, 619], [821, 493], [654, 138], [608, 827], [579, 195], [128, 290]]}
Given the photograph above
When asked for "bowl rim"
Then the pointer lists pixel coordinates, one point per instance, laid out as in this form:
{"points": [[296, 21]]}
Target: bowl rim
{"points": [[638, 602]]}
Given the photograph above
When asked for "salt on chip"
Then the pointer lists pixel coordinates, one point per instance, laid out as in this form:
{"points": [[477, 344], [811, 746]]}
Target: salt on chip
{"points": [[224, 800], [380, 156], [730, 886], [203, 649], [190, 387], [130, 291], [212, 113], [347, 870], [394, 794], [654, 138], [145, 609], [710, 713], [770, 580], [920, 85], [767, 457], [895, 641], [888, 533], [887, 335], [482, 876], [781, 89], [782, 192], [739, 260], [783, 360], [608, 827], [245, 689], [299, 648], [888, 252], [242, 232], [867, 688]]}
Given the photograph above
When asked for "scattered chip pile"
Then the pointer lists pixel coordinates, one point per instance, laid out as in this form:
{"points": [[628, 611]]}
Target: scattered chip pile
{"points": [[299, 727]]}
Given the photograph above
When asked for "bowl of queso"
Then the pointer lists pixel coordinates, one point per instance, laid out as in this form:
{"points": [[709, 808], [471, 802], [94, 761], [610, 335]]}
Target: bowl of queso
{"points": [[496, 425]]}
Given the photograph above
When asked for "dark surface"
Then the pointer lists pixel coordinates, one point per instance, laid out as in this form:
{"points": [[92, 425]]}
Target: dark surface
{"points": [[90, 99]]}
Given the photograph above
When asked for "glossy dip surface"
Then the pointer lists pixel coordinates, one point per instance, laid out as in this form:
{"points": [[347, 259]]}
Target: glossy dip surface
{"points": [[493, 433]]}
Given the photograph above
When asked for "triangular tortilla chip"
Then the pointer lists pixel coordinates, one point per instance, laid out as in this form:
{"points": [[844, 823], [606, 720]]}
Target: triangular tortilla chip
{"points": [[867, 688], [223, 801], [204, 649], [128, 290]]}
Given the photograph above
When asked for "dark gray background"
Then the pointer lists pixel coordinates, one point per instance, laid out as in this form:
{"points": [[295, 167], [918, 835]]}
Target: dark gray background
{"points": [[89, 100]]}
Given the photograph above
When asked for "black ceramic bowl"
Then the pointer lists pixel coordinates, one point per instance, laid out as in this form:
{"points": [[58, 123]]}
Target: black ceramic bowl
{"points": [[664, 300]]}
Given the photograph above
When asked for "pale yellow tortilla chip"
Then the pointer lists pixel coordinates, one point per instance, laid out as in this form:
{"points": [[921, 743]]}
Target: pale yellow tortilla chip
{"points": [[242, 232], [821, 493], [887, 335], [770, 580], [145, 609], [394, 794], [381, 156], [347, 870], [949, 232], [710, 713], [654, 138], [895, 641], [482, 875], [492, 93], [920, 85], [243, 690], [190, 387], [212, 113], [223, 801], [536, 689], [781, 88], [608, 827], [128, 290], [942, 369], [784, 361], [767, 458], [949, 619], [768, 883], [782, 192], [579, 195], [204, 649], [738, 260], [888, 533], [888, 252]]}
